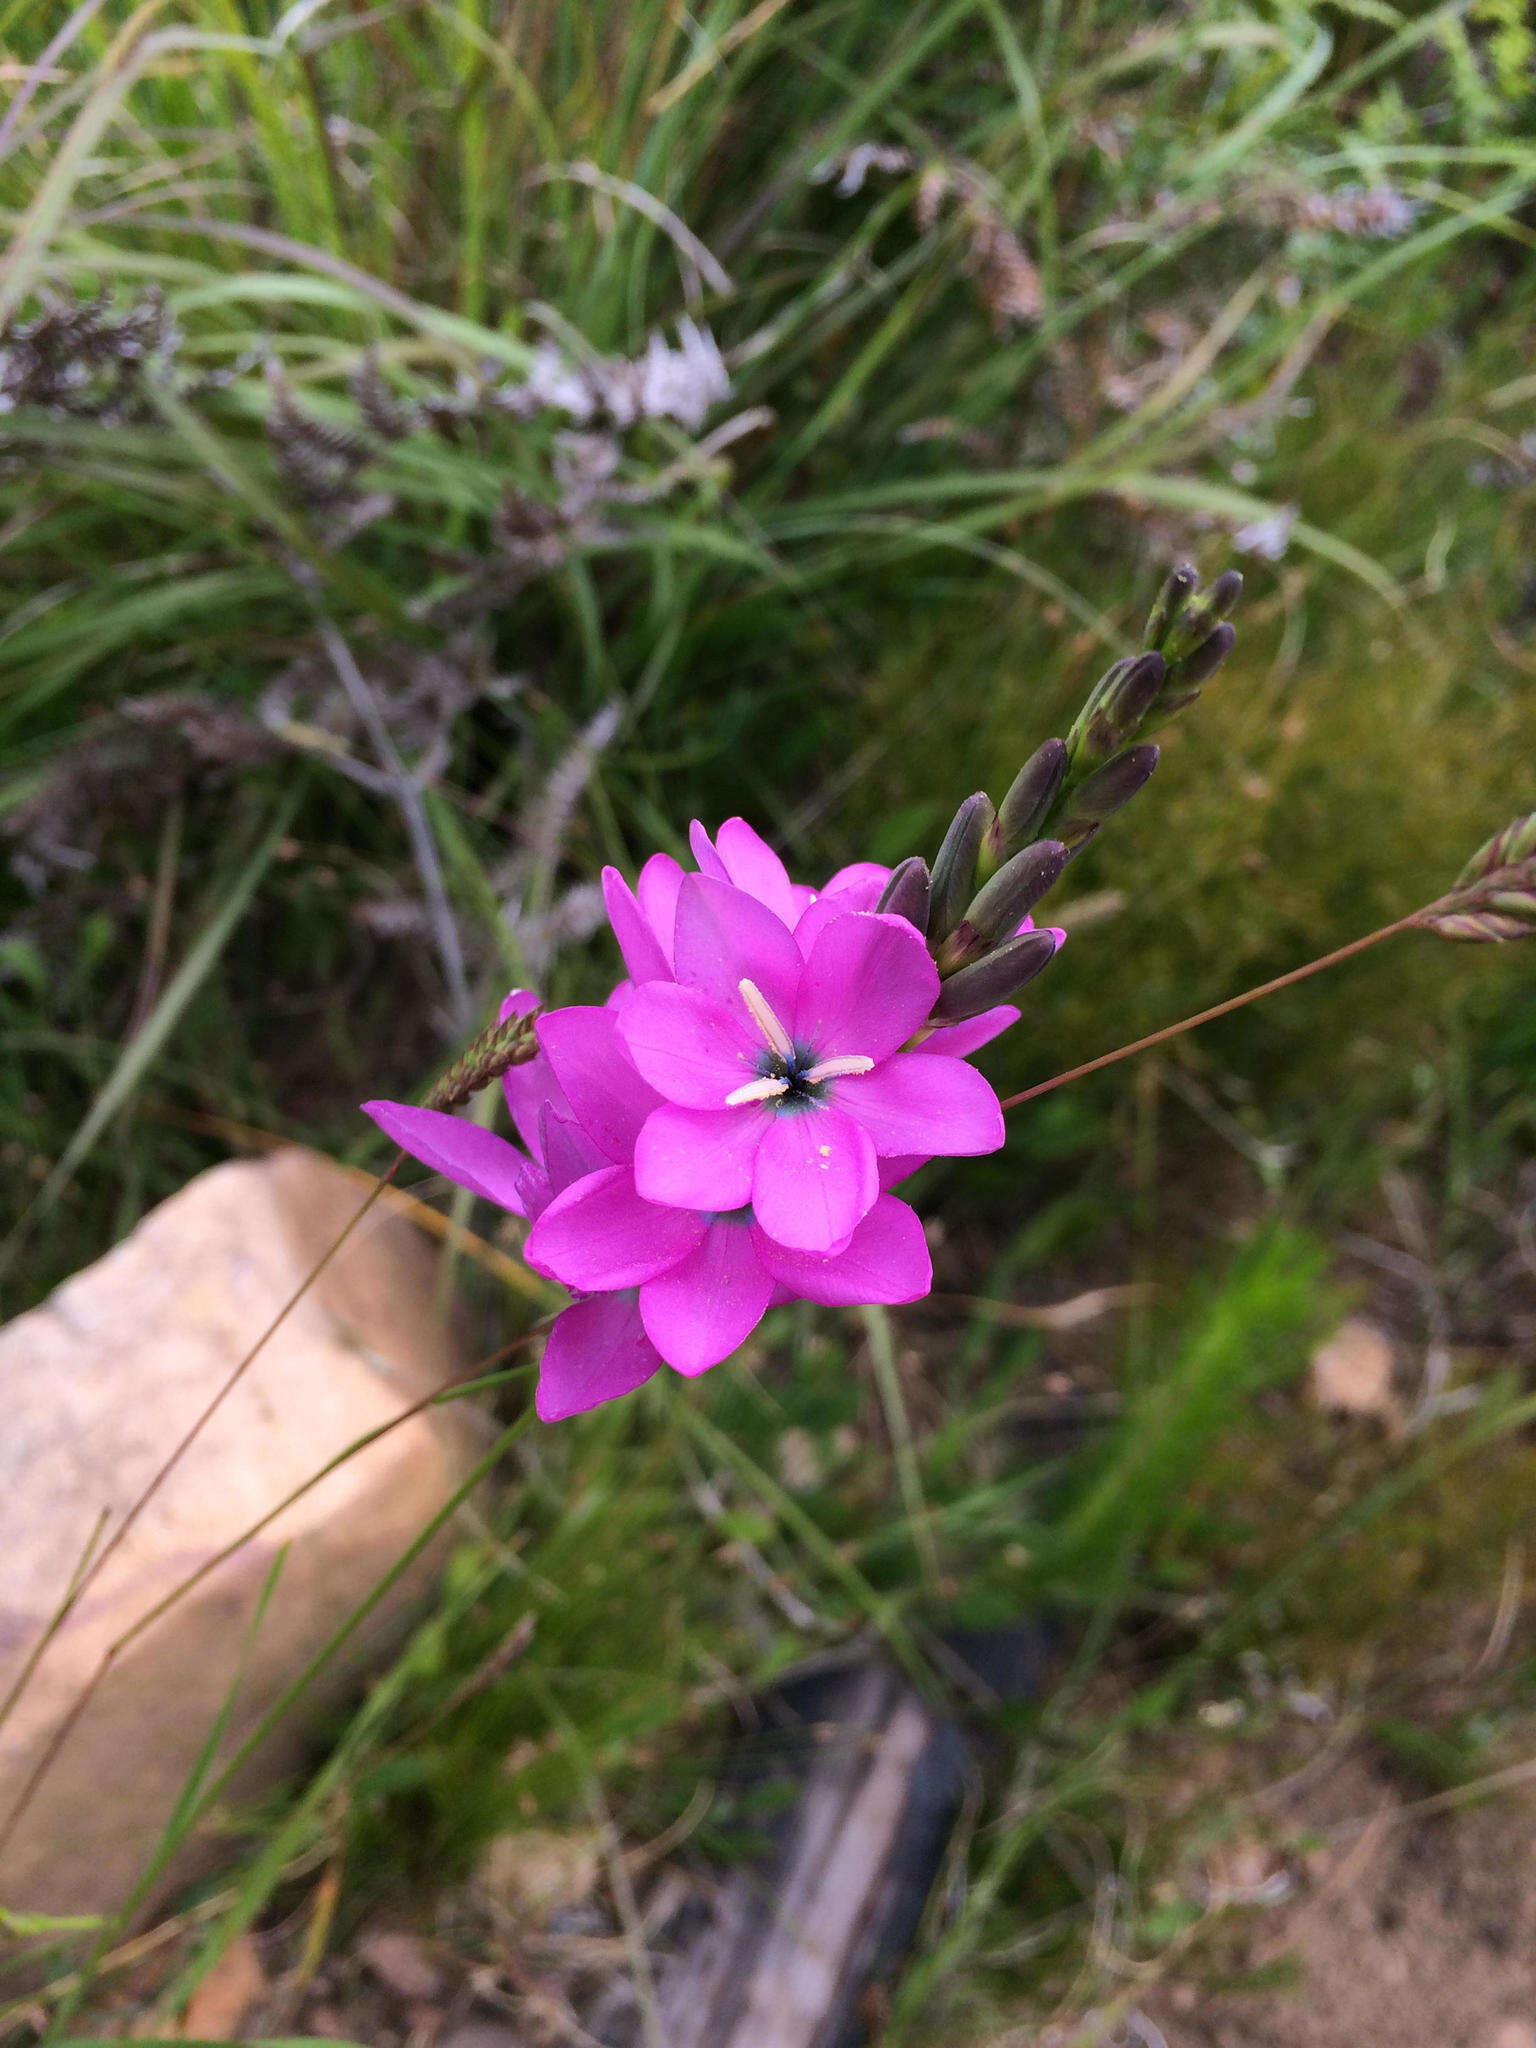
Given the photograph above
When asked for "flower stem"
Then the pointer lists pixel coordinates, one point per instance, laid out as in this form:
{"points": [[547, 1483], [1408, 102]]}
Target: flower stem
{"points": [[1252, 995], [882, 1352]]}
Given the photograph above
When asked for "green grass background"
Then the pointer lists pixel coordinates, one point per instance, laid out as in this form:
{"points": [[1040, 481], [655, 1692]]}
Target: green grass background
{"points": [[940, 524]]}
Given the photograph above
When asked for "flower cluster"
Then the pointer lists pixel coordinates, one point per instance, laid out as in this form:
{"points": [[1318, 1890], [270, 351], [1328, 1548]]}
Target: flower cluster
{"points": [[724, 1133]]}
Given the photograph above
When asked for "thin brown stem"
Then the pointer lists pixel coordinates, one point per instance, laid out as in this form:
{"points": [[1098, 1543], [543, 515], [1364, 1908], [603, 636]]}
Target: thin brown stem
{"points": [[115, 1540], [1252, 995], [60, 1614]]}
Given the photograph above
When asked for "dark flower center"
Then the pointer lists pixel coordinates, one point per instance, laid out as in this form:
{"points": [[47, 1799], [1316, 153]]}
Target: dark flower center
{"points": [[793, 1071]]}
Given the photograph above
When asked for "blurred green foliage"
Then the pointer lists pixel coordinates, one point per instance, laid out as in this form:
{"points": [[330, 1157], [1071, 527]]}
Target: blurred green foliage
{"points": [[957, 490], [1114, 287]]}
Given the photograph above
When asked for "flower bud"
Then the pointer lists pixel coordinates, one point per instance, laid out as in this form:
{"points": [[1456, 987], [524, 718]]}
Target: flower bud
{"points": [[998, 909], [1203, 611], [500, 1047], [1115, 710], [1475, 927], [1512, 847], [1198, 668], [1494, 898], [1131, 698], [976, 988], [954, 870], [906, 893], [1181, 585], [1023, 810], [1104, 793]]}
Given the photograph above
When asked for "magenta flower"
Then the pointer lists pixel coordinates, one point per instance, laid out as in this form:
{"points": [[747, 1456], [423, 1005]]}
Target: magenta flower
{"points": [[783, 1074], [644, 918], [657, 1284], [723, 1135]]}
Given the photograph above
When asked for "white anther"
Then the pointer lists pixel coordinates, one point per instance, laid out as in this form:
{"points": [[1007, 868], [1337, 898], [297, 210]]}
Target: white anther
{"points": [[843, 1063], [773, 1031], [756, 1091]]}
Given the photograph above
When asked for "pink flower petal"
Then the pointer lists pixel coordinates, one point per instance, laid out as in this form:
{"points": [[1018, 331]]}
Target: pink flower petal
{"points": [[923, 1103], [752, 864], [691, 1048], [885, 1260], [813, 921], [566, 1150], [529, 1085], [709, 862], [959, 1041], [707, 1306], [724, 937], [868, 985], [606, 1096], [860, 885], [529, 1089], [657, 886], [901, 1167], [814, 1178], [597, 1351], [535, 1190], [637, 942], [598, 1235], [850, 889], [699, 1158], [475, 1158]]}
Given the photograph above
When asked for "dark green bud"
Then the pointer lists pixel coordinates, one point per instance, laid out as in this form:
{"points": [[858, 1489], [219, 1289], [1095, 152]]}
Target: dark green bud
{"points": [[1131, 698], [1205, 610], [1024, 809], [1105, 792], [1001, 906], [906, 893], [1197, 669], [954, 871], [1181, 585], [976, 988], [1116, 709]]}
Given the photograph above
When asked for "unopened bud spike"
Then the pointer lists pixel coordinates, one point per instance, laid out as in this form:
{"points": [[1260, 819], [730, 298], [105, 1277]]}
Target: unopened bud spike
{"points": [[1105, 792], [1025, 808], [906, 893], [993, 980], [1176, 592], [954, 871], [1198, 668], [500, 1047], [998, 909]]}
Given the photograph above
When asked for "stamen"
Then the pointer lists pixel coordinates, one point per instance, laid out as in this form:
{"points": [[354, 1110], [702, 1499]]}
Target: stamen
{"points": [[778, 1038], [756, 1091], [843, 1063]]}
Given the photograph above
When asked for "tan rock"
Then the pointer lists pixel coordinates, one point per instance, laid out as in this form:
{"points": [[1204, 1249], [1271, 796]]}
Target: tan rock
{"points": [[1352, 1370], [217, 2008], [101, 1382]]}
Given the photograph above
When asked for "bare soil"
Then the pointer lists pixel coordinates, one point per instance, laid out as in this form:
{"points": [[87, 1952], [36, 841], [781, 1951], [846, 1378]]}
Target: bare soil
{"points": [[1412, 1925]]}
